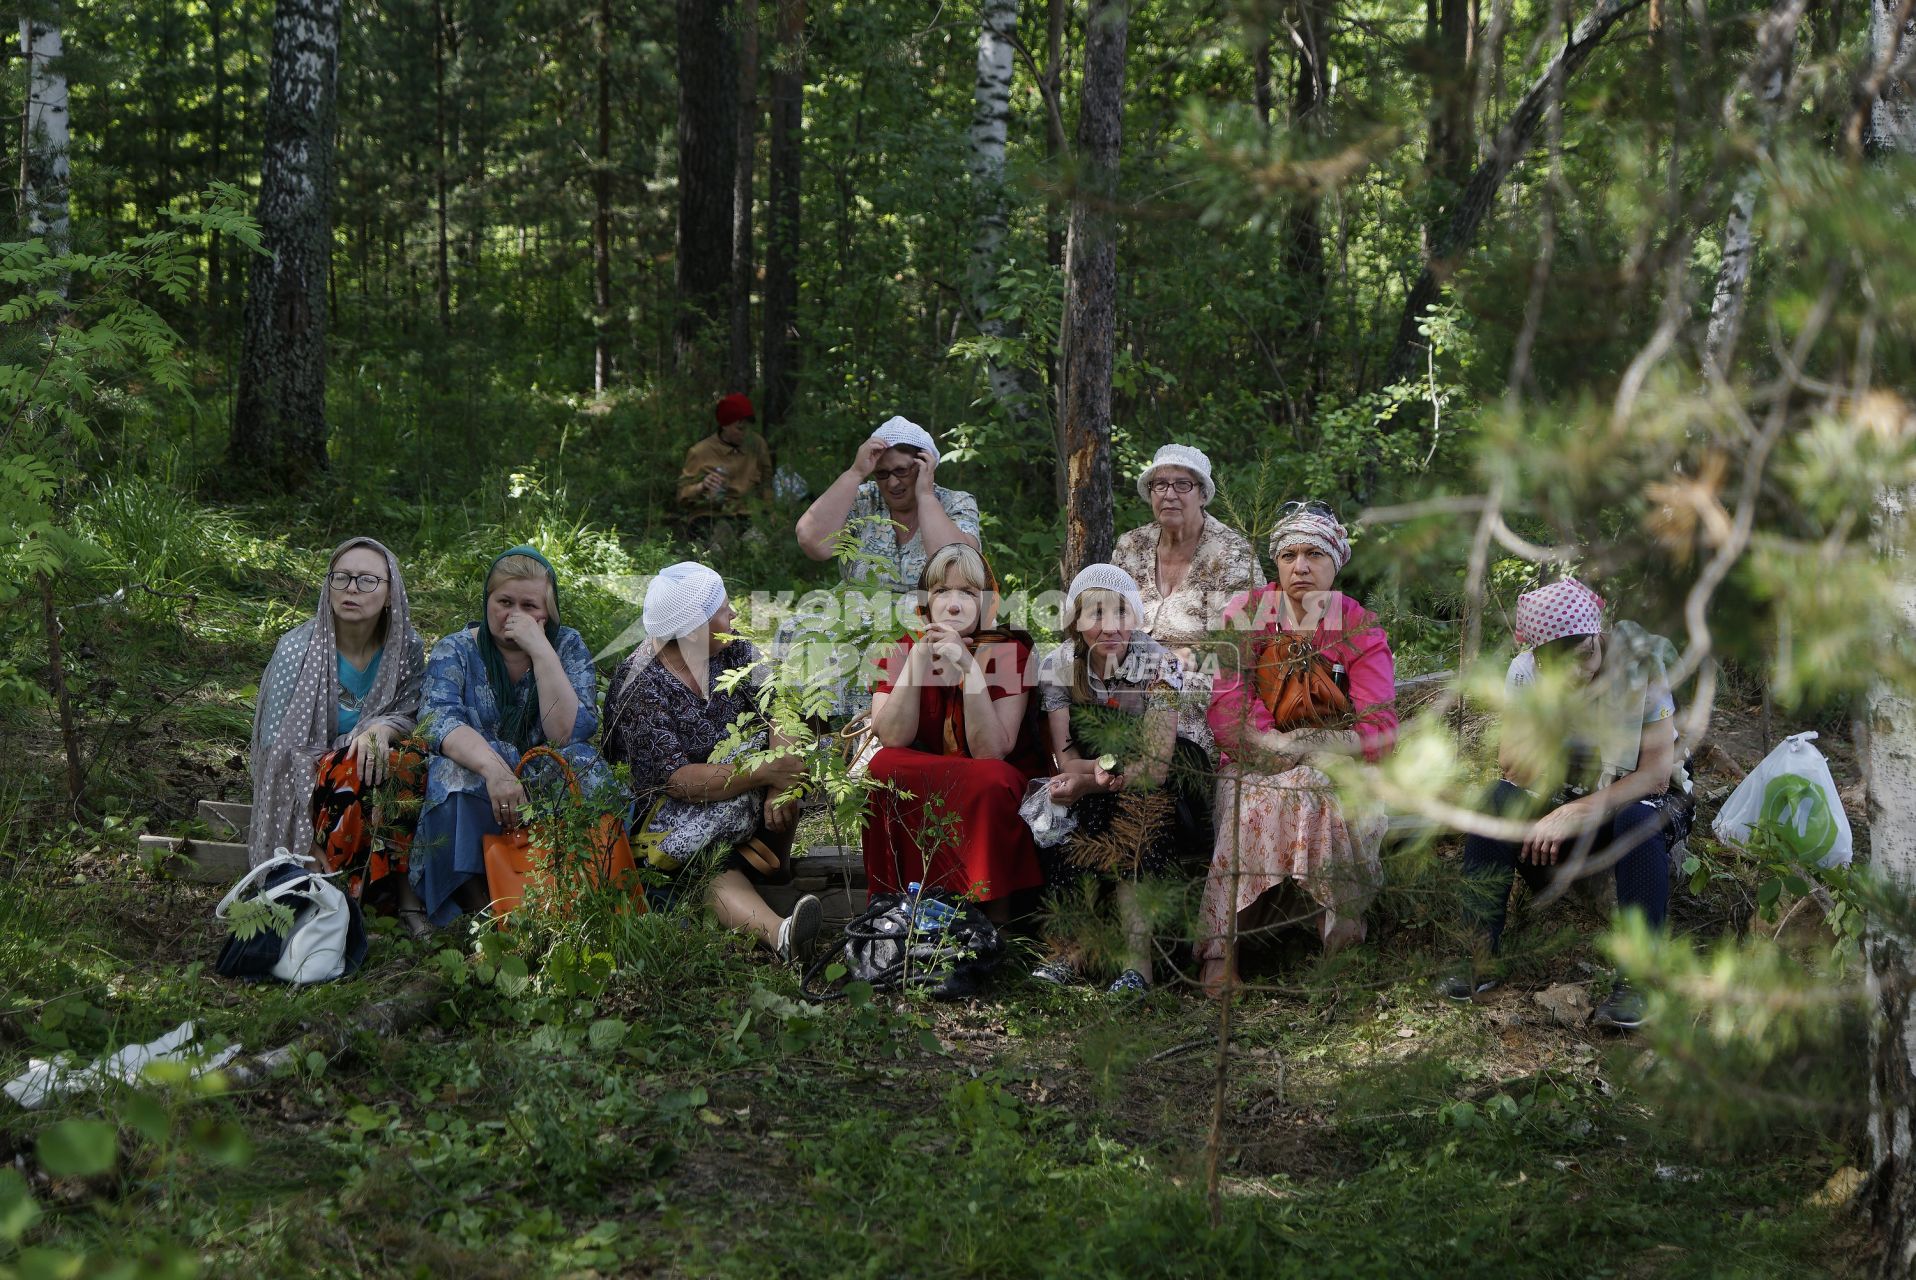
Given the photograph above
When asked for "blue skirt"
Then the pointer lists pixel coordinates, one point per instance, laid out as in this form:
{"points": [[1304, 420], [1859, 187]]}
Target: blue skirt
{"points": [[447, 852]]}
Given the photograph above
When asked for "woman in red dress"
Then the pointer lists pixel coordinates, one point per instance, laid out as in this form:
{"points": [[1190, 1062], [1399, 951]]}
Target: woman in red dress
{"points": [[958, 747]]}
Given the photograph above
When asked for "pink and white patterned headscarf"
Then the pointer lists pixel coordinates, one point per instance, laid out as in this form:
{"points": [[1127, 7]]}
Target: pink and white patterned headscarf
{"points": [[1312, 528], [1566, 608]]}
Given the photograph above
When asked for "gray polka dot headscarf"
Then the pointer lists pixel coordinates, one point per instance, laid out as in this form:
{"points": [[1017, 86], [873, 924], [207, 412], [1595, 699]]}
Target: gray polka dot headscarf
{"points": [[298, 698]]}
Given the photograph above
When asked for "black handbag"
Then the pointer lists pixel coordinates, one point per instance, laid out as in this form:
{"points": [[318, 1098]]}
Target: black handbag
{"points": [[936, 941]]}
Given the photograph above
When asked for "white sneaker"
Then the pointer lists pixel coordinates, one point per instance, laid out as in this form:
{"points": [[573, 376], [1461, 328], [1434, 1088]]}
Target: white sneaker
{"points": [[798, 930]]}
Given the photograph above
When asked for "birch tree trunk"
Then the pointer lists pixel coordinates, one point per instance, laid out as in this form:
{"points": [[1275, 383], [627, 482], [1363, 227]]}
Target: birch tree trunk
{"points": [[279, 413], [708, 145], [778, 350], [1891, 770], [742, 260], [43, 160], [990, 121], [602, 213], [1769, 74], [1088, 335], [1467, 213]]}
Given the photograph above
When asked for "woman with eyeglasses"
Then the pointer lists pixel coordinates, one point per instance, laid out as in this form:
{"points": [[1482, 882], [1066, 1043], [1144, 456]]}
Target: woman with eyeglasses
{"points": [[511, 681], [333, 763], [1315, 679], [892, 475], [1187, 563]]}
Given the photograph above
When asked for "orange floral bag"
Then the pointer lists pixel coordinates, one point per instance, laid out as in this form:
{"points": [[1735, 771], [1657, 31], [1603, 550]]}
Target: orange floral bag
{"points": [[1298, 684]]}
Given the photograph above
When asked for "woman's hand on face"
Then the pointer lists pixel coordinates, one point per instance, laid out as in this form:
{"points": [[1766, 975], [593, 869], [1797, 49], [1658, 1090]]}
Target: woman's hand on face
{"points": [[922, 480], [528, 633], [865, 461], [369, 749], [506, 794], [947, 648]]}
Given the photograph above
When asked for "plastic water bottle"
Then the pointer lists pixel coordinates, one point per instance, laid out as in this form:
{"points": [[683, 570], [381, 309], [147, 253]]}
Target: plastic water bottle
{"points": [[928, 915]]}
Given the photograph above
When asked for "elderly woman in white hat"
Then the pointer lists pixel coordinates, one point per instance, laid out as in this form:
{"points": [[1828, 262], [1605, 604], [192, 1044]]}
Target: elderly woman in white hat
{"points": [[1186, 562], [1317, 679], [1133, 762], [892, 475], [664, 715]]}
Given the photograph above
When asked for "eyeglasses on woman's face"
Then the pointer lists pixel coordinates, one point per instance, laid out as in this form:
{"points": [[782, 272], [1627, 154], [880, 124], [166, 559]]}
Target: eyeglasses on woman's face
{"points": [[1179, 487], [886, 475], [364, 583]]}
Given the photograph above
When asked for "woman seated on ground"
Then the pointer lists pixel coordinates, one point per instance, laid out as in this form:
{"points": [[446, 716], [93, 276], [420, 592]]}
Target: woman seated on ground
{"points": [[892, 475], [1615, 751], [957, 746], [664, 716], [514, 680], [1317, 680], [1133, 766], [1186, 562], [337, 706]]}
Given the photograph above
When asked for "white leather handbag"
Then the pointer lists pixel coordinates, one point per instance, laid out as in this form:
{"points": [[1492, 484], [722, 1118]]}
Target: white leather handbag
{"points": [[318, 946]]}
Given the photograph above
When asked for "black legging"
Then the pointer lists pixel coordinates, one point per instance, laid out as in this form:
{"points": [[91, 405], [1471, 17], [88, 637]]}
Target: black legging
{"points": [[1643, 874]]}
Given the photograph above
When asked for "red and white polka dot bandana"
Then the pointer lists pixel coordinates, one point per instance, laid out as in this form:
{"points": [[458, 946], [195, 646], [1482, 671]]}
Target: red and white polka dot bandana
{"points": [[1566, 608]]}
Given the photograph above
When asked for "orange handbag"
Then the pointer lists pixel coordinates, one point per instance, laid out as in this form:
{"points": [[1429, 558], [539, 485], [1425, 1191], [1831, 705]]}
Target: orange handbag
{"points": [[1298, 685], [513, 860]]}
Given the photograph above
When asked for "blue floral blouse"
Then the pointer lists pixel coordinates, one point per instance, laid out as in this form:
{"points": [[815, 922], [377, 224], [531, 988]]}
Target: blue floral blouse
{"points": [[458, 693]]}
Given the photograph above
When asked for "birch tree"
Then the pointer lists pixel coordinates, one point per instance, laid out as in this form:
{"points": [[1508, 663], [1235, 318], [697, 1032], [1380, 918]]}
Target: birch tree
{"points": [[43, 159], [1088, 333], [990, 122], [1769, 75], [279, 412], [1891, 748]]}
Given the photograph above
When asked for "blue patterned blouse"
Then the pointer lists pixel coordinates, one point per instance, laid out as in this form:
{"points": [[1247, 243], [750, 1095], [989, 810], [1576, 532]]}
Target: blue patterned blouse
{"points": [[458, 693]]}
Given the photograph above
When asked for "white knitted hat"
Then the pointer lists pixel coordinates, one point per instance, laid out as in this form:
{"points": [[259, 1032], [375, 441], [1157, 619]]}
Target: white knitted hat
{"points": [[896, 431], [1179, 455], [1107, 577], [681, 599]]}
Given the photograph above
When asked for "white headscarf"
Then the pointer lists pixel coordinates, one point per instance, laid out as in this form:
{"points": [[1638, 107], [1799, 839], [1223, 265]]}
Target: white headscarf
{"points": [[895, 431], [683, 598], [299, 699], [1108, 577]]}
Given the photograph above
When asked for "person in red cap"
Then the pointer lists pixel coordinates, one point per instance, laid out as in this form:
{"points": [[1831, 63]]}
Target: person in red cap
{"points": [[724, 471]]}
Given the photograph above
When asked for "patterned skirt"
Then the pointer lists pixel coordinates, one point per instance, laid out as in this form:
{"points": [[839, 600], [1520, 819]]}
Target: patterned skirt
{"points": [[1288, 827], [367, 831]]}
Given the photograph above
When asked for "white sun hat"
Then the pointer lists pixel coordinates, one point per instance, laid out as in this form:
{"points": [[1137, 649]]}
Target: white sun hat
{"points": [[1179, 455]]}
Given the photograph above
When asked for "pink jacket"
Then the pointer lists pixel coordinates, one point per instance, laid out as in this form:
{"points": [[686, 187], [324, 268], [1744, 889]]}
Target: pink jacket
{"points": [[1348, 634]]}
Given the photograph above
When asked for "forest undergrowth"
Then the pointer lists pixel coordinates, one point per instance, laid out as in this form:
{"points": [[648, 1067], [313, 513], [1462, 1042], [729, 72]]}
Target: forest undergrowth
{"points": [[657, 1100]]}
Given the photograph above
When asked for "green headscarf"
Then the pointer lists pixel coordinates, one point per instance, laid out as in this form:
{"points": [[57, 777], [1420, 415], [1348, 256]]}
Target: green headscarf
{"points": [[517, 717]]}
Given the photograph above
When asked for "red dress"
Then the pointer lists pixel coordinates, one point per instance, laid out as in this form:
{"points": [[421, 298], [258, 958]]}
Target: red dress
{"points": [[966, 809]]}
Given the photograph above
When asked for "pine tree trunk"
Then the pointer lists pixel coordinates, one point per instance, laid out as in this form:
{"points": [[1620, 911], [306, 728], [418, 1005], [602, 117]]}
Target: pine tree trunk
{"points": [[708, 144], [602, 213], [1088, 333], [990, 121], [1302, 243], [44, 153], [1057, 15], [442, 264], [742, 259], [1466, 215], [1891, 770], [1770, 75], [279, 417], [778, 351], [216, 146]]}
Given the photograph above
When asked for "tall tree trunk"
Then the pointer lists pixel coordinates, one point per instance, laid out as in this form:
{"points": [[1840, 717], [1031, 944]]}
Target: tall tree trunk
{"points": [[43, 154], [1088, 333], [1261, 100], [1453, 90], [1891, 758], [1466, 216], [1302, 243], [442, 264], [279, 417], [742, 258], [990, 121], [1769, 75], [602, 213], [778, 351], [708, 145], [1057, 15], [216, 163]]}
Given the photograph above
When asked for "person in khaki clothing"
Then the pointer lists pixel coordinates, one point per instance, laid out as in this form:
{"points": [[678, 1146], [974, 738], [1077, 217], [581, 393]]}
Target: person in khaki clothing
{"points": [[727, 469]]}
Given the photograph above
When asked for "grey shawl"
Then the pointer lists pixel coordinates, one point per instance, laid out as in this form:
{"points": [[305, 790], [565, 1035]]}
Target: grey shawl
{"points": [[296, 718]]}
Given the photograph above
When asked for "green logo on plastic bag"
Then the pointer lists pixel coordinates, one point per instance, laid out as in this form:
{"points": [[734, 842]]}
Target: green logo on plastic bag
{"points": [[1798, 811]]}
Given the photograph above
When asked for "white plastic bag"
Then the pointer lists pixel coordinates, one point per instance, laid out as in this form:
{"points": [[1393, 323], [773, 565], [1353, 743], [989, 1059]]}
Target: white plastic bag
{"points": [[1049, 821], [1791, 789]]}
